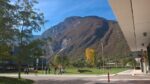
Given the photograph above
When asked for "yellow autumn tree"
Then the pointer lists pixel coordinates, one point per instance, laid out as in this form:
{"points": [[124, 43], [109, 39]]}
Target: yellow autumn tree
{"points": [[90, 55]]}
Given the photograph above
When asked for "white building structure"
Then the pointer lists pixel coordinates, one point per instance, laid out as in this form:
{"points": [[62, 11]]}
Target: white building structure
{"points": [[134, 19]]}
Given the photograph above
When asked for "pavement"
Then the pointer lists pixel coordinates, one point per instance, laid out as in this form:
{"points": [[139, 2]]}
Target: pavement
{"points": [[131, 72], [125, 77]]}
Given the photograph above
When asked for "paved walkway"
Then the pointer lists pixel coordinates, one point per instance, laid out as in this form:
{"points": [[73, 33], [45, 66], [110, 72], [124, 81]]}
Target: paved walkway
{"points": [[125, 77], [131, 72]]}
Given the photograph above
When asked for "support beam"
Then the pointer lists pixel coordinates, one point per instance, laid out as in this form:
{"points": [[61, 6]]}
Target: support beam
{"points": [[148, 52]]}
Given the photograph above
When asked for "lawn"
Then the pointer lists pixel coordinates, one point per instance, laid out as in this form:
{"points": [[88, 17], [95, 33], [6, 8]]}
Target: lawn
{"points": [[94, 70], [6, 80], [90, 71]]}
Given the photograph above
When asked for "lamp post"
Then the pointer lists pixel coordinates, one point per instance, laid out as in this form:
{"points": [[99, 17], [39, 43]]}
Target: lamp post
{"points": [[43, 64], [37, 62], [102, 47], [42, 58], [108, 71], [108, 74]]}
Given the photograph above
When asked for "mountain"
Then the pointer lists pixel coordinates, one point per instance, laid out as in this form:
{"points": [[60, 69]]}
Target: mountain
{"points": [[34, 37], [72, 36]]}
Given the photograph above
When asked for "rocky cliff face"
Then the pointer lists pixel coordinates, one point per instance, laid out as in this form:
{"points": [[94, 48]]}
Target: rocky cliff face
{"points": [[72, 36]]}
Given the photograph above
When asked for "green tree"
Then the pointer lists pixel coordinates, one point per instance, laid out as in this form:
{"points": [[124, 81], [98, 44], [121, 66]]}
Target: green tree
{"points": [[17, 23], [27, 20], [36, 47], [80, 63], [4, 54], [99, 62], [6, 21], [7, 32], [61, 60], [132, 62], [33, 50], [57, 60]]}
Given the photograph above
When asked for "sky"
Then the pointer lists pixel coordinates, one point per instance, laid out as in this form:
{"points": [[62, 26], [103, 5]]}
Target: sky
{"points": [[56, 11]]}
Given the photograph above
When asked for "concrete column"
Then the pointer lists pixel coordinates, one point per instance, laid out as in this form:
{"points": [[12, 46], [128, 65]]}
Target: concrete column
{"points": [[145, 61], [148, 52]]}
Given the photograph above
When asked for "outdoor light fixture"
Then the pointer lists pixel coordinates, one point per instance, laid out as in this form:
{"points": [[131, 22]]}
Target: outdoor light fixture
{"points": [[145, 34], [142, 44]]}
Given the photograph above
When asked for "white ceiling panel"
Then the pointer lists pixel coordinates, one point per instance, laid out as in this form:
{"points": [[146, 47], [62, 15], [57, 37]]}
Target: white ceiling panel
{"points": [[134, 19]]}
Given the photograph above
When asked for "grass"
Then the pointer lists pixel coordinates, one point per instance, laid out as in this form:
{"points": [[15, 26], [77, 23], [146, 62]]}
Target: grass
{"points": [[7, 80], [73, 70], [90, 71], [95, 70]]}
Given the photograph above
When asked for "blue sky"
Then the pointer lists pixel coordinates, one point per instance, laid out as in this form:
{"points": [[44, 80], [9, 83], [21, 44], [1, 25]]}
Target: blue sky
{"points": [[56, 11]]}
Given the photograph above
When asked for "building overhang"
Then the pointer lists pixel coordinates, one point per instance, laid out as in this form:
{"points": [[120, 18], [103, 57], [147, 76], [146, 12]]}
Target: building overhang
{"points": [[134, 19]]}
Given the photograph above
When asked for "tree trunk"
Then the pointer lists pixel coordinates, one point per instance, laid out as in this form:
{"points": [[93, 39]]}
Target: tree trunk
{"points": [[19, 70]]}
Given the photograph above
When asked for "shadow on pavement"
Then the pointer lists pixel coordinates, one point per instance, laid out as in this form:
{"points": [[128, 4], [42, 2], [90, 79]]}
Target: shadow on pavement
{"points": [[61, 82], [88, 82], [129, 82]]}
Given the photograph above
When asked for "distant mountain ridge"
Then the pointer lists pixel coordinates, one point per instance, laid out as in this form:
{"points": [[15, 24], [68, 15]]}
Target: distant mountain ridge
{"points": [[75, 34]]}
